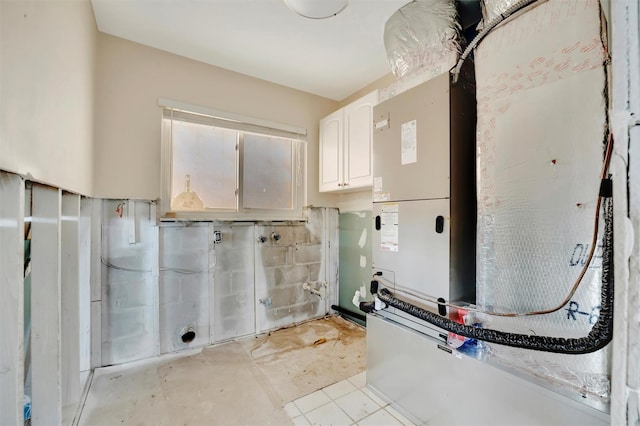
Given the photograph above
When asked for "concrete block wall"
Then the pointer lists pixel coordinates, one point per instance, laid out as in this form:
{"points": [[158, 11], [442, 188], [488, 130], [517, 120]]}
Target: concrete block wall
{"points": [[234, 301], [287, 256], [160, 281], [184, 285], [129, 303]]}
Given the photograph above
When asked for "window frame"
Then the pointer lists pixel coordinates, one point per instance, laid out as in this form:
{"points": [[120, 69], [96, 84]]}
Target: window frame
{"points": [[171, 111]]}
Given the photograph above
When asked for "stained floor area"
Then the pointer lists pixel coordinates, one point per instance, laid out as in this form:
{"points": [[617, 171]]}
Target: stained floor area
{"points": [[249, 381]]}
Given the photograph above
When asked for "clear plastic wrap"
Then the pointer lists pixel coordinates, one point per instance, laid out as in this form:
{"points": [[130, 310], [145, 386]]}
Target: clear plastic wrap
{"points": [[493, 8], [542, 117], [423, 35]]}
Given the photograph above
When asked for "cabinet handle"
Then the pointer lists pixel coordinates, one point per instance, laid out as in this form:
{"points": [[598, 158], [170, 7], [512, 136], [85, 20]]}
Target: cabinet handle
{"points": [[339, 184], [440, 224], [345, 184]]}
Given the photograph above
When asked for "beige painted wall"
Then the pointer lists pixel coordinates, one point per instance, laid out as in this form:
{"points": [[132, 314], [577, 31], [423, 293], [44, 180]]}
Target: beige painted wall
{"points": [[381, 83], [47, 69], [131, 78]]}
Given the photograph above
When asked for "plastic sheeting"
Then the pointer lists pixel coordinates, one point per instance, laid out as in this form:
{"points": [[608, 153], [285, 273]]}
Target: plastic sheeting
{"points": [[355, 256], [422, 40], [233, 301], [219, 280], [491, 9], [184, 295], [129, 281], [541, 126]]}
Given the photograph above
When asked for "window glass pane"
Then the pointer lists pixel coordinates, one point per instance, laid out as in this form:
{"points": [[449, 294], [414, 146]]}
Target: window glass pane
{"points": [[267, 171], [205, 156]]}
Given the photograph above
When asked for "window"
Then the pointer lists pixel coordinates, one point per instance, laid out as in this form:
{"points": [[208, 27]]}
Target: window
{"points": [[216, 167], [268, 178], [203, 161]]}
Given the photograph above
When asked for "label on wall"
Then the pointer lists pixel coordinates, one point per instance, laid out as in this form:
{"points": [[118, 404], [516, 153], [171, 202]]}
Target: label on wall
{"points": [[409, 142], [384, 196], [377, 184], [389, 227]]}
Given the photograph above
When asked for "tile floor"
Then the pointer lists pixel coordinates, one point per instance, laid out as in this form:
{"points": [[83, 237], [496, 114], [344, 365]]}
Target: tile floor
{"points": [[348, 402]]}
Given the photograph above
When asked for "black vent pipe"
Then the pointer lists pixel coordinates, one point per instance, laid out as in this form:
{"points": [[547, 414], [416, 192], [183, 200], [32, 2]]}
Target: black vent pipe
{"points": [[348, 312]]}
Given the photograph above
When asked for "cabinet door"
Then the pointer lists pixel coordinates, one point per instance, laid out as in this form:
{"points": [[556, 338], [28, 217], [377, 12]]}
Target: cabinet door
{"points": [[331, 146], [358, 159]]}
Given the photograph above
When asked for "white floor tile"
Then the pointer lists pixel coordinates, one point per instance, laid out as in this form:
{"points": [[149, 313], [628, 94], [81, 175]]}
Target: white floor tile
{"points": [[339, 389], [329, 414], [397, 415], [359, 380], [357, 405], [291, 410], [380, 418], [311, 401], [300, 421], [373, 396]]}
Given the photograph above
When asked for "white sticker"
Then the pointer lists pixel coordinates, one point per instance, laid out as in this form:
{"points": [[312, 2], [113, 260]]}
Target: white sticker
{"points": [[382, 124], [377, 197], [409, 143], [377, 184], [389, 227], [363, 238]]}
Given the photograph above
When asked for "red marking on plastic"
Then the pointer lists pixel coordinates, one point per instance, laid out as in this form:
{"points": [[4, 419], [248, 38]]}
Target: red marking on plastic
{"points": [[562, 65], [586, 64], [571, 48], [537, 61]]}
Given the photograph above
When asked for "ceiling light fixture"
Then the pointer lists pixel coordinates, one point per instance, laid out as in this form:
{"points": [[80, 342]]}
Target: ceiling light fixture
{"points": [[317, 9]]}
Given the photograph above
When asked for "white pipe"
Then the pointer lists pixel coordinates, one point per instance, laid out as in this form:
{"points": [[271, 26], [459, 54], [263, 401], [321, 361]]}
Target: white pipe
{"points": [[356, 299], [320, 293]]}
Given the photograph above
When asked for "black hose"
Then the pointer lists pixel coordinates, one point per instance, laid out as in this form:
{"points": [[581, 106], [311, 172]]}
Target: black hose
{"points": [[348, 312], [600, 335]]}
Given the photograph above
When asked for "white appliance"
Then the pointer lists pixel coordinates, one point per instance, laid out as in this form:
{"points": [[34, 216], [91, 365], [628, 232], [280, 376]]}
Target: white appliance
{"points": [[424, 249], [424, 196]]}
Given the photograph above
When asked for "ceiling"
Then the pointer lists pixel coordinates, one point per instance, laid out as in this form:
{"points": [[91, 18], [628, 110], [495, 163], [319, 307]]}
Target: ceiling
{"points": [[331, 57]]}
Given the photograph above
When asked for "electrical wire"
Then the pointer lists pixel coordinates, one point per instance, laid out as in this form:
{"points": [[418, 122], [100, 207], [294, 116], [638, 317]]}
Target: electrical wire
{"points": [[121, 268], [184, 271], [576, 284], [161, 269]]}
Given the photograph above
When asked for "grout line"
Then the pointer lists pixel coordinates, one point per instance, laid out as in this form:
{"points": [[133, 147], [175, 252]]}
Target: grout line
{"points": [[327, 403], [332, 400], [347, 414]]}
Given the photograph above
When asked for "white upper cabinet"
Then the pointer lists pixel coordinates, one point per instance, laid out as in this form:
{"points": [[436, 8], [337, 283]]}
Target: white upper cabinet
{"points": [[331, 148], [345, 146]]}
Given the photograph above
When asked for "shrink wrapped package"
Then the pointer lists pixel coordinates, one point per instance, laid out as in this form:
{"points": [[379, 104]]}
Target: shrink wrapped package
{"points": [[422, 41], [542, 123], [491, 9]]}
